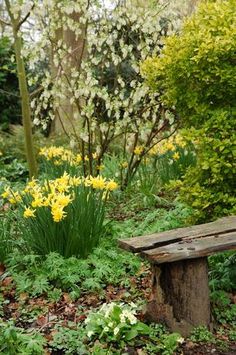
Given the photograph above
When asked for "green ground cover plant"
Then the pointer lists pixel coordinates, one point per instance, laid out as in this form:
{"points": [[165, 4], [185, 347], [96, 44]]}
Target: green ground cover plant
{"points": [[15, 341]]}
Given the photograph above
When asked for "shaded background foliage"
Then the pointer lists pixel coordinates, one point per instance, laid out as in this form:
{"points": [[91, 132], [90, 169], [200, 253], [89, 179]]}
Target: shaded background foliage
{"points": [[9, 93]]}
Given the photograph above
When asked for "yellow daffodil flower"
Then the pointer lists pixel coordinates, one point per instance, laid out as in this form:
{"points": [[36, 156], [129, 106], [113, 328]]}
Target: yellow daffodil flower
{"points": [[138, 150], [111, 185], [28, 213]]}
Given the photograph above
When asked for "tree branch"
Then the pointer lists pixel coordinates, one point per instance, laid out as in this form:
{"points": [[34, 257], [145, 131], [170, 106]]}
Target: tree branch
{"points": [[20, 23], [4, 23]]}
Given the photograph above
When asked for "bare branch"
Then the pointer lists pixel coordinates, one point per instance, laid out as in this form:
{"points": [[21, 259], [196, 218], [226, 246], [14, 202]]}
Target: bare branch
{"points": [[9, 93], [20, 23], [4, 23]]}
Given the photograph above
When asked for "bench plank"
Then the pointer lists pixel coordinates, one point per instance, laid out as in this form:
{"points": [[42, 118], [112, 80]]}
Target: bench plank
{"points": [[190, 249], [138, 244]]}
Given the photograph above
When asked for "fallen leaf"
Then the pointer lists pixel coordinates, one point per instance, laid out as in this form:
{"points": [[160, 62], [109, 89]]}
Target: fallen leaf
{"points": [[2, 269], [41, 321]]}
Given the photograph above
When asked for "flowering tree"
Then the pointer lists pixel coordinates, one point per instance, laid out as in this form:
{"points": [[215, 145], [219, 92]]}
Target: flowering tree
{"points": [[92, 83], [109, 103]]}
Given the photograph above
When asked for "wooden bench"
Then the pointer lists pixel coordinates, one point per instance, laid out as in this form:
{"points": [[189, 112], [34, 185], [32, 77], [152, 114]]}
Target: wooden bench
{"points": [[180, 290]]}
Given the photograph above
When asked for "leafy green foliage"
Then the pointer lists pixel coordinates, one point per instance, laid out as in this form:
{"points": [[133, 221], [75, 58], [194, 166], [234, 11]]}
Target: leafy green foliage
{"points": [[15, 341], [69, 339], [8, 237], [106, 265], [197, 69], [161, 342], [115, 323], [201, 334], [210, 186], [12, 169], [156, 220], [196, 74], [224, 311], [5, 248], [223, 271]]}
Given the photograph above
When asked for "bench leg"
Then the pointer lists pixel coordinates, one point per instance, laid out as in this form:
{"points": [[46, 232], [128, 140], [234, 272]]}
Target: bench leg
{"points": [[180, 295]]}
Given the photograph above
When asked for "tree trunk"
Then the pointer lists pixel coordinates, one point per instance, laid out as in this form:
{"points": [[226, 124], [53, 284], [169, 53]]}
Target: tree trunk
{"points": [[180, 295], [65, 114], [24, 93]]}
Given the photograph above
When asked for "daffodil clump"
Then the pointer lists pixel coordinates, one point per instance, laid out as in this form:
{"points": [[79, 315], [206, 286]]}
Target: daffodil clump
{"points": [[170, 145], [60, 155], [63, 215], [57, 159]]}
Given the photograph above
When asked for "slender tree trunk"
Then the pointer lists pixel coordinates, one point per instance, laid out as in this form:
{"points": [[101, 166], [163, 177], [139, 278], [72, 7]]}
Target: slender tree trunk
{"points": [[25, 106], [24, 93], [64, 116]]}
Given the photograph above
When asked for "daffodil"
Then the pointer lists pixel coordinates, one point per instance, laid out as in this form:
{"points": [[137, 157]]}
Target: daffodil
{"points": [[28, 213], [62, 200], [57, 213], [138, 150], [111, 185], [6, 193], [16, 197], [124, 164], [97, 182], [176, 156]]}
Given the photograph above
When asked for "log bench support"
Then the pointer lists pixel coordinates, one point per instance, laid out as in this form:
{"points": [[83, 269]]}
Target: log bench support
{"points": [[180, 295], [180, 290]]}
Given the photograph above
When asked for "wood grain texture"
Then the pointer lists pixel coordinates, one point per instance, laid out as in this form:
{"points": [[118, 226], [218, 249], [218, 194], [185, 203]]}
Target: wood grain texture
{"points": [[180, 295], [191, 248], [138, 244]]}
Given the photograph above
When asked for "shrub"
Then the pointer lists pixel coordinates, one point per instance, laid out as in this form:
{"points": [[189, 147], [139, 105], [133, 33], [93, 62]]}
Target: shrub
{"points": [[196, 71], [196, 74], [64, 215], [210, 186]]}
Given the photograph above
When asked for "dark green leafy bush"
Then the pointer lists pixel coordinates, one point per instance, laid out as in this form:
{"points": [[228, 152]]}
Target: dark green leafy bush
{"points": [[9, 93]]}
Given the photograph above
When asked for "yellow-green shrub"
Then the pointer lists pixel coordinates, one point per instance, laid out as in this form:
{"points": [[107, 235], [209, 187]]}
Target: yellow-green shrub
{"points": [[197, 69], [196, 75], [210, 186]]}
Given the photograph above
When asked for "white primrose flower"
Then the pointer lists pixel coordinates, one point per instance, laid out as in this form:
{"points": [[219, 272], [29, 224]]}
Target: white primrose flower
{"points": [[90, 333], [116, 330]]}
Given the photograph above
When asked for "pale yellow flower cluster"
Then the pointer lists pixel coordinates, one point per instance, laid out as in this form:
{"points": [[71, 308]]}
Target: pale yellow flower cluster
{"points": [[55, 194], [169, 145], [11, 196], [60, 155]]}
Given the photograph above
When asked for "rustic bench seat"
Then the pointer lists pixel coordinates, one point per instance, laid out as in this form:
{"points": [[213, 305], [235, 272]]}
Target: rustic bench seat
{"points": [[180, 291]]}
